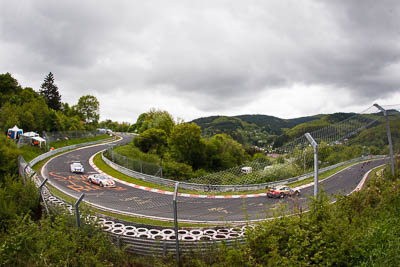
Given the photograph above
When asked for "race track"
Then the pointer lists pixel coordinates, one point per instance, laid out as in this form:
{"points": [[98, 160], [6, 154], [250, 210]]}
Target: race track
{"points": [[135, 201]]}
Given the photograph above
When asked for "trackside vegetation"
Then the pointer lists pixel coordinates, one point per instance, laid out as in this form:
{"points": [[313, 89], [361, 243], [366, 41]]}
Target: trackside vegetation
{"points": [[359, 230]]}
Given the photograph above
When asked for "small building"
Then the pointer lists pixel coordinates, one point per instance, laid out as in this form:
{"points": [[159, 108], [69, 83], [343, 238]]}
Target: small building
{"points": [[246, 170], [14, 133]]}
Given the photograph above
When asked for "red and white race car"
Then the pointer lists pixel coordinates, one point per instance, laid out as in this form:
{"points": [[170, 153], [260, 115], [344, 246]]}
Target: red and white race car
{"points": [[101, 180], [282, 191]]}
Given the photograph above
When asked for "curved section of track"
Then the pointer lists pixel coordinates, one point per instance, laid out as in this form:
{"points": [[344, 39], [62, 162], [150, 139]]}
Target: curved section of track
{"points": [[130, 200]]}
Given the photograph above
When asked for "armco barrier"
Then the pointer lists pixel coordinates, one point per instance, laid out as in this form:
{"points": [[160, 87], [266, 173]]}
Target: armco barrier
{"points": [[154, 247], [224, 188], [63, 149]]}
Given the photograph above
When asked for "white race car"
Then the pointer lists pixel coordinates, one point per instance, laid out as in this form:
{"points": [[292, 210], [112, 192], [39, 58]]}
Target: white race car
{"points": [[77, 167], [102, 180]]}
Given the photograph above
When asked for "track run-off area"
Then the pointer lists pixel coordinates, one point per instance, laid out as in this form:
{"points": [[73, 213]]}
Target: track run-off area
{"points": [[141, 201]]}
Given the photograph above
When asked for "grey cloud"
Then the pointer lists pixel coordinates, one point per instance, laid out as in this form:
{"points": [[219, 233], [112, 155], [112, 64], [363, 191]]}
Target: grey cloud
{"points": [[213, 54]]}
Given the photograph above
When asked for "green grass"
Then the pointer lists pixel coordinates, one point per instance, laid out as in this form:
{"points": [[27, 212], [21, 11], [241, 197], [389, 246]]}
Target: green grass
{"points": [[30, 152], [71, 142], [374, 173], [98, 161]]}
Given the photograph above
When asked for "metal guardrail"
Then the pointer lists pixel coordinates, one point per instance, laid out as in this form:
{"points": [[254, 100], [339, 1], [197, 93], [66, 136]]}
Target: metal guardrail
{"points": [[224, 188], [159, 248], [63, 149]]}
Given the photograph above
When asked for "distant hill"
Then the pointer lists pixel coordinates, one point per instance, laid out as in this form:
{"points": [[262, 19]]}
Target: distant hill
{"points": [[250, 129], [275, 125], [313, 125]]}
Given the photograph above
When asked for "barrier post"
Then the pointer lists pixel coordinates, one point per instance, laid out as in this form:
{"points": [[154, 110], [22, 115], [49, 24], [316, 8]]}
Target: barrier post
{"points": [[176, 222], [78, 221], [315, 147], [389, 136], [41, 198]]}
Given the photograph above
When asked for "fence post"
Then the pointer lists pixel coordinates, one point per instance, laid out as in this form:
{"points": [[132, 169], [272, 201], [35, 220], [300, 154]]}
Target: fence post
{"points": [[112, 154], [389, 137], [315, 147], [78, 221], [41, 198], [176, 222]]}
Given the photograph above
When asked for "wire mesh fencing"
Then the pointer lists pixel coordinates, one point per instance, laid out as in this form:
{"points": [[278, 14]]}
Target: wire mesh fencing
{"points": [[133, 164], [338, 142], [51, 137], [296, 157]]}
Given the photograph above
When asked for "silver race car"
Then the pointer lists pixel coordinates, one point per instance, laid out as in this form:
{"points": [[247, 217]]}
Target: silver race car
{"points": [[77, 167], [101, 180]]}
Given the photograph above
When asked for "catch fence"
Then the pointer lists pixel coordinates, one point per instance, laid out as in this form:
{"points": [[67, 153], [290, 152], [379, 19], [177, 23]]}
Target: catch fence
{"points": [[294, 159]]}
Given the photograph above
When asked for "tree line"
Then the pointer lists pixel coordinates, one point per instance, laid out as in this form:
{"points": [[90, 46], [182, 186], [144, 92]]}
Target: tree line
{"points": [[180, 148], [43, 110]]}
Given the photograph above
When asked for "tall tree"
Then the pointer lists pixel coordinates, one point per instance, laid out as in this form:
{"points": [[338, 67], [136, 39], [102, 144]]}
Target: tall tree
{"points": [[50, 92], [8, 87], [187, 145], [88, 108], [154, 119]]}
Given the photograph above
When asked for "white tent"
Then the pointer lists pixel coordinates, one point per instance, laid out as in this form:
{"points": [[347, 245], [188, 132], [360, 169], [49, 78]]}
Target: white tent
{"points": [[14, 132], [30, 134], [39, 140]]}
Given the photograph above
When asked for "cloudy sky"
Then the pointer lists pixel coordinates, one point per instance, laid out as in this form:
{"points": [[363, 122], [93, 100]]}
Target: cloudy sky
{"points": [[285, 58]]}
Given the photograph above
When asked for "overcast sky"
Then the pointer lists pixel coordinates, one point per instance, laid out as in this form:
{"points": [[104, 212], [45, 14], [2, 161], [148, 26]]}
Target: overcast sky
{"points": [[199, 58]]}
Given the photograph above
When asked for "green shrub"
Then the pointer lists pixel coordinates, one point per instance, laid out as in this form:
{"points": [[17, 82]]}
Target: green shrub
{"points": [[57, 242], [16, 199]]}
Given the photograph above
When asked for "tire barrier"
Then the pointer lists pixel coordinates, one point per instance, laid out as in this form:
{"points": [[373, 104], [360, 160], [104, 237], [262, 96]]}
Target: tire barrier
{"points": [[130, 228], [196, 232], [168, 232], [204, 238], [190, 235], [130, 233]]}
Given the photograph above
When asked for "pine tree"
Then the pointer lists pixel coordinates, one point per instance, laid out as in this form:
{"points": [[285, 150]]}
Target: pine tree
{"points": [[50, 92]]}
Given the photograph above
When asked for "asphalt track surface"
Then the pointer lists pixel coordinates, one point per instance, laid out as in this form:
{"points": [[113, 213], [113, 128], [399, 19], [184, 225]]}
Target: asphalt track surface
{"points": [[154, 205]]}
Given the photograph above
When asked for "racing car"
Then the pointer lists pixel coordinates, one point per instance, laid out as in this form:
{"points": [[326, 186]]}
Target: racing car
{"points": [[282, 191], [77, 167], [101, 180]]}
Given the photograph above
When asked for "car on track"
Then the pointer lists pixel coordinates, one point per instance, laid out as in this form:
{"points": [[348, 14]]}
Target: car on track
{"points": [[282, 191], [101, 180], [77, 167]]}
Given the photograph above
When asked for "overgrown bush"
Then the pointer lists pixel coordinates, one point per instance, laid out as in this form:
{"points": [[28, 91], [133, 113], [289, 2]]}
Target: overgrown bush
{"points": [[16, 199], [57, 242]]}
